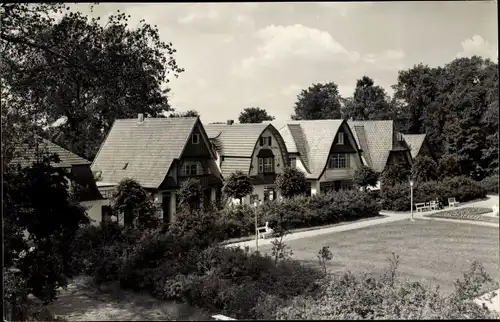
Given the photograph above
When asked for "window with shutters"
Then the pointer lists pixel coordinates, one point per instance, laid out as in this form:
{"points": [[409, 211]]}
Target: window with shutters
{"points": [[293, 162], [269, 194], [265, 140]]}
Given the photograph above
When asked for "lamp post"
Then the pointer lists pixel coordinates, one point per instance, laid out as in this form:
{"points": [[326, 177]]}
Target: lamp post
{"points": [[411, 199], [255, 204]]}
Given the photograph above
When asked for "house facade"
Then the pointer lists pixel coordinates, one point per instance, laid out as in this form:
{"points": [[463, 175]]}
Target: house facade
{"points": [[325, 150], [255, 149], [160, 154], [81, 181]]}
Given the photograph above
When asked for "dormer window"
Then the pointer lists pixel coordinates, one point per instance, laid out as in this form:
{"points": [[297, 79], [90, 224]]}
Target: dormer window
{"points": [[195, 139], [340, 138], [399, 137]]}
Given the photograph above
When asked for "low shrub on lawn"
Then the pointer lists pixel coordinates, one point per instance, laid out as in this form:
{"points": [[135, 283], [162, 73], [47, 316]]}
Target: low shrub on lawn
{"points": [[349, 296], [397, 197], [490, 184]]}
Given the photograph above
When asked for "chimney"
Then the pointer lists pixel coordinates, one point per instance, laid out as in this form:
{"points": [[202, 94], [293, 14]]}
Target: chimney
{"points": [[140, 117], [230, 122]]}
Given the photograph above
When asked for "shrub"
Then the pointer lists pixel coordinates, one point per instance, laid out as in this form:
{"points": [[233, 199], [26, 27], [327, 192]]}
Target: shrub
{"points": [[394, 174], [291, 183], [190, 194], [365, 177], [237, 220], [132, 200], [397, 197], [294, 212], [424, 169], [462, 188], [350, 296], [490, 184]]}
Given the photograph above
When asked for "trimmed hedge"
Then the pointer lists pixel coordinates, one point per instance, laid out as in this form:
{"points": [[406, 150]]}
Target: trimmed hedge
{"points": [[318, 210], [397, 197]]}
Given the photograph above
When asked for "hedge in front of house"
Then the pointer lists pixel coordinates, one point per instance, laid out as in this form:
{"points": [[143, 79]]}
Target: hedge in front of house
{"points": [[319, 210], [463, 189]]}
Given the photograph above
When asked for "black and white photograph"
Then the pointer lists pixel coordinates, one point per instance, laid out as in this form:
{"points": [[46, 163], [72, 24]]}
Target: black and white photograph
{"points": [[217, 161]]}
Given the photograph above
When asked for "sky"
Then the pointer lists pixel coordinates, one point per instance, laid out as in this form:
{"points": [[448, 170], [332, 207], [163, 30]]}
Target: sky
{"points": [[239, 55]]}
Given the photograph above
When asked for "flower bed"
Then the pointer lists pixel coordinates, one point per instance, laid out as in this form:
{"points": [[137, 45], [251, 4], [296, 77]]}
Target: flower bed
{"points": [[468, 213]]}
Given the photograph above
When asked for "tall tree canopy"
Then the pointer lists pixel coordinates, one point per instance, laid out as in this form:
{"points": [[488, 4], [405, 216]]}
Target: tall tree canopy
{"points": [[190, 113], [318, 102], [81, 71], [254, 115], [369, 102]]}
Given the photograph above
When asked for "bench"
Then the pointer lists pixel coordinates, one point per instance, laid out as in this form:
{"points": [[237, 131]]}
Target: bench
{"points": [[264, 231], [433, 205], [452, 202], [421, 206]]}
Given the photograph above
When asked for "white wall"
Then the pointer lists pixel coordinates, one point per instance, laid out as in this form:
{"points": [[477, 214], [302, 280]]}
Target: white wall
{"points": [[94, 210]]}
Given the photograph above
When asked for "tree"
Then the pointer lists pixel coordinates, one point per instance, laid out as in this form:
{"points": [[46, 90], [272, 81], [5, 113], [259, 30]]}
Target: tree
{"points": [[238, 186], [81, 72], [291, 182], [254, 115], [190, 194], [40, 220], [190, 113], [417, 87], [364, 177], [370, 102], [134, 202], [448, 166], [318, 102], [424, 169], [393, 174]]}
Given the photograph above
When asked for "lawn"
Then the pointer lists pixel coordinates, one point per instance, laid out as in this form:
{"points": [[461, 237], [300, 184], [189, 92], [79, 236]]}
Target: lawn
{"points": [[468, 213], [431, 251]]}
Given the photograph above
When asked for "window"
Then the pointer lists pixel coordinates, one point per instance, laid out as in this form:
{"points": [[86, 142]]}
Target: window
{"points": [[193, 169], [266, 165], [269, 194], [338, 161], [264, 140], [340, 138], [195, 138], [293, 162], [399, 137], [253, 199]]}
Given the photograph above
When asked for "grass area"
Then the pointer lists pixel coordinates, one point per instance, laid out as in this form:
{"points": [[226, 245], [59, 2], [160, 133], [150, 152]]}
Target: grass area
{"points": [[298, 230], [468, 213], [434, 252], [84, 301]]}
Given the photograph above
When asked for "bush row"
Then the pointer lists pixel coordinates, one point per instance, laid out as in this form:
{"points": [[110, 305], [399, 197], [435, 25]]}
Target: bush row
{"points": [[301, 212], [185, 263], [397, 197]]}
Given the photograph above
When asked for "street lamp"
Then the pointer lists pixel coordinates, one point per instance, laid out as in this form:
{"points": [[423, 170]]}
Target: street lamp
{"points": [[411, 199], [255, 204]]}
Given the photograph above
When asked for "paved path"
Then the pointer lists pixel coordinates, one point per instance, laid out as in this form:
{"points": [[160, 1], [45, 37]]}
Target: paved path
{"points": [[389, 217]]}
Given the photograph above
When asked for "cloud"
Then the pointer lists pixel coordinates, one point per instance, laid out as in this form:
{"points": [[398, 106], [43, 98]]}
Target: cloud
{"points": [[217, 16], [294, 41], [390, 59], [478, 46]]}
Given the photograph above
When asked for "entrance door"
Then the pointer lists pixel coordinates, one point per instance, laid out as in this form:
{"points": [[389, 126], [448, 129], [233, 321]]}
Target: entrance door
{"points": [[206, 197], [337, 185]]}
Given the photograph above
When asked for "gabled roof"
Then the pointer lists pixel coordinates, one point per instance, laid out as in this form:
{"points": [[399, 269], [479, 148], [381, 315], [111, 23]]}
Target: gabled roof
{"points": [[415, 141], [143, 151], [375, 139], [236, 143], [314, 138], [28, 154]]}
